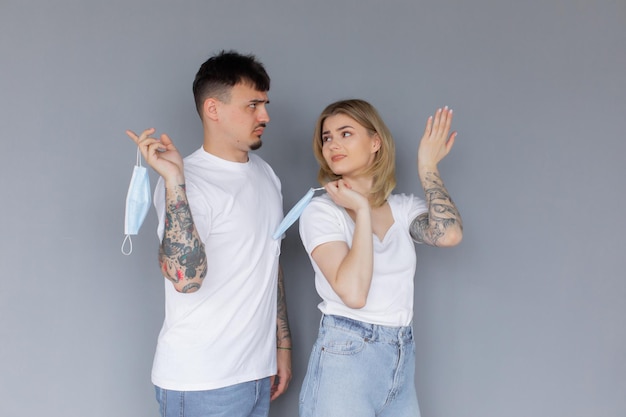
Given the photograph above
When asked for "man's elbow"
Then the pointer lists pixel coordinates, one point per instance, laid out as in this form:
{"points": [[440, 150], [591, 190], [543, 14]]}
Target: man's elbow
{"points": [[187, 287], [183, 283]]}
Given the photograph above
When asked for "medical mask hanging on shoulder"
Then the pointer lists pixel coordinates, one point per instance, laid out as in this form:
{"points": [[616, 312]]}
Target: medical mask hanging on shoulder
{"points": [[138, 201], [295, 213]]}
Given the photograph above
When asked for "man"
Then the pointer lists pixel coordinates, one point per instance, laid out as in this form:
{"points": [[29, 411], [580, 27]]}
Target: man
{"points": [[224, 348]]}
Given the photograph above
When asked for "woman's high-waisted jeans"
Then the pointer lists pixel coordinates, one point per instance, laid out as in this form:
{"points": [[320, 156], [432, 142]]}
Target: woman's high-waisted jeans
{"points": [[359, 369]]}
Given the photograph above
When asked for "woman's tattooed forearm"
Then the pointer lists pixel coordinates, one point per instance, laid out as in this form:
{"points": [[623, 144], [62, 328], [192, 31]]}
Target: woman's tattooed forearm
{"points": [[283, 334], [442, 212], [181, 253]]}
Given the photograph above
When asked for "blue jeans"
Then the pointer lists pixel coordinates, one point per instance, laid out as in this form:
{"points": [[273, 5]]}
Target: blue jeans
{"points": [[358, 369], [248, 399]]}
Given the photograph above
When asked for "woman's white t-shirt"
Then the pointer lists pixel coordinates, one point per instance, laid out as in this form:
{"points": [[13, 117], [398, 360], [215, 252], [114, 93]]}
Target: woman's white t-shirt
{"points": [[390, 298]]}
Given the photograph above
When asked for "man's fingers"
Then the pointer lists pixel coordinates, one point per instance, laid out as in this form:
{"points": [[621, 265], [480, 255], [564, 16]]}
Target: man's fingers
{"points": [[278, 389], [139, 138], [167, 143], [154, 147], [132, 135]]}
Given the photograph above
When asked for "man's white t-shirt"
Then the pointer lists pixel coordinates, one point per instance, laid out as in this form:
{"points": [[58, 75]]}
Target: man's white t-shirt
{"points": [[225, 333]]}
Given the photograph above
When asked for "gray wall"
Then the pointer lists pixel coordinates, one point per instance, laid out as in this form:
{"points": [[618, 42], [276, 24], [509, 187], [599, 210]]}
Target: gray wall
{"points": [[524, 318]]}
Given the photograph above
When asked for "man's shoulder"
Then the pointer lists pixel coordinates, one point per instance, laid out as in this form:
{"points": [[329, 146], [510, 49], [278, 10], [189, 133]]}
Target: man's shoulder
{"points": [[194, 158], [257, 160], [261, 165]]}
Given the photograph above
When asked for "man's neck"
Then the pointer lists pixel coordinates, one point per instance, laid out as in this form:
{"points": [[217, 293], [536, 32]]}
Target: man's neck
{"points": [[225, 152]]}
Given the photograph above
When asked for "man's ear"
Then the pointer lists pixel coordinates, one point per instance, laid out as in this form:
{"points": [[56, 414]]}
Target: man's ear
{"points": [[210, 108]]}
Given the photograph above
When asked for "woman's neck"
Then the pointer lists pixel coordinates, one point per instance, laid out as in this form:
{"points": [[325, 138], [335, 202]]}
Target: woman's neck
{"points": [[360, 184]]}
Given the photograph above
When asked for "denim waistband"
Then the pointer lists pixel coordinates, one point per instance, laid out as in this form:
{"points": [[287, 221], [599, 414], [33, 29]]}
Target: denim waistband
{"points": [[373, 332]]}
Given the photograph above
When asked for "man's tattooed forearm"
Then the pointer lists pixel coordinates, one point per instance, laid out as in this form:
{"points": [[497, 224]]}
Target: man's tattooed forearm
{"points": [[179, 215], [181, 253], [171, 248], [283, 333], [192, 258]]}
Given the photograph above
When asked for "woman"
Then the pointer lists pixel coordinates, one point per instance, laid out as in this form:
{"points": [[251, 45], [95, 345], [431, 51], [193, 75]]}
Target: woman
{"points": [[360, 239]]}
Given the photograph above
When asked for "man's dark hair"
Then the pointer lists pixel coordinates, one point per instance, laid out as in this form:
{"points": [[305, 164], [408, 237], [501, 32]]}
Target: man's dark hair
{"points": [[221, 72]]}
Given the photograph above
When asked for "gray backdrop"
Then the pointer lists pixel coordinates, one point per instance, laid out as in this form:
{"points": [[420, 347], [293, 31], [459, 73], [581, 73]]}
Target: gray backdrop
{"points": [[524, 318]]}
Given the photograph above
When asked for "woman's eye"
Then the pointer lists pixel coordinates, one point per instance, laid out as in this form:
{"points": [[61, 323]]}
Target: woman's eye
{"points": [[346, 134], [326, 139]]}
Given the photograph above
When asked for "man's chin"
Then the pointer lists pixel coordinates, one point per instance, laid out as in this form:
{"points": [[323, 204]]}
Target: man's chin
{"points": [[256, 145]]}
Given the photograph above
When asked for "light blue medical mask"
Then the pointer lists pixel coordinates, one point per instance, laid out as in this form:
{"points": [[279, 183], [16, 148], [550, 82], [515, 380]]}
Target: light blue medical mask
{"points": [[138, 201], [295, 213]]}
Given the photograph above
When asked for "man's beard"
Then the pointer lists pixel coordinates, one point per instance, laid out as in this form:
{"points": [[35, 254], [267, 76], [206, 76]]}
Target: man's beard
{"points": [[256, 145]]}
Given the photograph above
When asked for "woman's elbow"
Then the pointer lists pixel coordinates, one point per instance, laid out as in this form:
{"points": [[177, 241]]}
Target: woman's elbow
{"points": [[354, 301], [452, 238]]}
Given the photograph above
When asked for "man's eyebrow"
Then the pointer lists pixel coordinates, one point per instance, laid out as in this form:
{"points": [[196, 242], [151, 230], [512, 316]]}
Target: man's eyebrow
{"points": [[260, 100]]}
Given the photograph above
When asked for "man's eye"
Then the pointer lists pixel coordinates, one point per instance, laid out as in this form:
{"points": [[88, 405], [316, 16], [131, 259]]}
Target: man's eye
{"points": [[252, 105]]}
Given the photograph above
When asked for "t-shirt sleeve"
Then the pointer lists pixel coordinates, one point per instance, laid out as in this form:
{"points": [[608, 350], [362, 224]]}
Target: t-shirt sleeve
{"points": [[159, 205], [411, 207], [321, 222], [416, 207]]}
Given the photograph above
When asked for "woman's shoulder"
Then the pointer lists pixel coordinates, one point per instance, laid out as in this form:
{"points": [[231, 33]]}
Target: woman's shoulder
{"points": [[402, 198], [322, 203], [408, 204]]}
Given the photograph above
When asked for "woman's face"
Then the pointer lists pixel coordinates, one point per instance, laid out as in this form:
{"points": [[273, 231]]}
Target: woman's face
{"points": [[347, 146]]}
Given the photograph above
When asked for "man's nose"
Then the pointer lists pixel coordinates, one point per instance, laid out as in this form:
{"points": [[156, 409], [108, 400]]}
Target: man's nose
{"points": [[263, 116]]}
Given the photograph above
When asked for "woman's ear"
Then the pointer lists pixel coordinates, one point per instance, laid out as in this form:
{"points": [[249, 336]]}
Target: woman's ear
{"points": [[376, 143]]}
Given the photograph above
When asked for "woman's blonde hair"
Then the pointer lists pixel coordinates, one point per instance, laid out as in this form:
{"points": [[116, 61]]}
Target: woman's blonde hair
{"points": [[383, 170]]}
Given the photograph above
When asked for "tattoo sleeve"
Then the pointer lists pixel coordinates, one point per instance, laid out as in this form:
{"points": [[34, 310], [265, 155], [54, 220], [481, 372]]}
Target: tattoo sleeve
{"points": [[181, 254], [283, 334], [442, 216]]}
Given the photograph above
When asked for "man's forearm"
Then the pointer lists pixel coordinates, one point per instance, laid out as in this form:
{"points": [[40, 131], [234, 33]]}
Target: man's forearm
{"points": [[181, 254], [283, 334]]}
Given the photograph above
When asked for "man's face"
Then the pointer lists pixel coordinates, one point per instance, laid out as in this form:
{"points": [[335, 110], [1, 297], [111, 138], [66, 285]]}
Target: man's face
{"points": [[244, 117]]}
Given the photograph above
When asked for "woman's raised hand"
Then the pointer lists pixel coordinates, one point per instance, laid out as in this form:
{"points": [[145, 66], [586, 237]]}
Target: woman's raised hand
{"points": [[437, 140]]}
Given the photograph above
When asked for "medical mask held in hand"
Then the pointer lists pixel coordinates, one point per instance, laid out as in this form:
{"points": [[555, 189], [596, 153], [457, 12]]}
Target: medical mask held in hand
{"points": [[295, 213], [138, 201]]}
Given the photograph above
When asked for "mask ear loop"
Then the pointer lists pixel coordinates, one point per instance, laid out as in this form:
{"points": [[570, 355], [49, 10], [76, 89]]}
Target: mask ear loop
{"points": [[138, 163], [128, 238], [130, 245]]}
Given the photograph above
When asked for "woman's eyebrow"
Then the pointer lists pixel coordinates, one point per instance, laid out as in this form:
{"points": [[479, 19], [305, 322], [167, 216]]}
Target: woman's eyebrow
{"points": [[338, 129]]}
